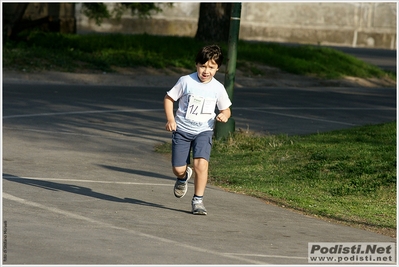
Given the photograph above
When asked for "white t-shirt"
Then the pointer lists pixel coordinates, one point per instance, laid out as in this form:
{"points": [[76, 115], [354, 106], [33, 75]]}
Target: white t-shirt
{"points": [[197, 103]]}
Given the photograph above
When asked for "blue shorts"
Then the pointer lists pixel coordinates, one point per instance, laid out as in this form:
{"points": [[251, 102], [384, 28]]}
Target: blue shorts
{"points": [[183, 143]]}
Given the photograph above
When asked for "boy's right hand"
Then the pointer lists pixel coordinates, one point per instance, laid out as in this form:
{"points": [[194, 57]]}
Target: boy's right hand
{"points": [[171, 126]]}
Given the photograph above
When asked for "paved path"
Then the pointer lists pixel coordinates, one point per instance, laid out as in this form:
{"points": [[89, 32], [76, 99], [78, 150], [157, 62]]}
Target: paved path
{"points": [[82, 185], [382, 58]]}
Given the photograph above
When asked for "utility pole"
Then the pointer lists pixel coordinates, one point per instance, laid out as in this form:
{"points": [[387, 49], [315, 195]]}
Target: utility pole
{"points": [[222, 130]]}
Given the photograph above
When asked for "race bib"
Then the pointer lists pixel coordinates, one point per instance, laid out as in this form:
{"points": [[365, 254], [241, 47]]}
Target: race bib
{"points": [[200, 109]]}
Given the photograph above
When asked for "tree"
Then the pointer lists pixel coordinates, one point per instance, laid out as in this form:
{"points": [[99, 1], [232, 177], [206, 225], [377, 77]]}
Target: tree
{"points": [[14, 22], [214, 22], [99, 11], [11, 25]]}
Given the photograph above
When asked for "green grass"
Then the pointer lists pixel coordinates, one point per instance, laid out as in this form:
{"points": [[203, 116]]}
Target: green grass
{"points": [[308, 60], [65, 52], [346, 175]]}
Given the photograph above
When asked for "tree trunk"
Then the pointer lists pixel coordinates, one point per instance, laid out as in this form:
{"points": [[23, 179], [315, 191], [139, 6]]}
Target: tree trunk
{"points": [[214, 22], [11, 26]]}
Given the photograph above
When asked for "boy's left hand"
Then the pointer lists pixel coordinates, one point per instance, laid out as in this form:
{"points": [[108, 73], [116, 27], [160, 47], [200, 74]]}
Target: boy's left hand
{"points": [[221, 117]]}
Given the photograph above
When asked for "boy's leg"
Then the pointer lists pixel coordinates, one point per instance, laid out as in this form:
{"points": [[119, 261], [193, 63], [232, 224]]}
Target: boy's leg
{"points": [[181, 184], [181, 144], [200, 181], [201, 153], [180, 171], [202, 146], [201, 176]]}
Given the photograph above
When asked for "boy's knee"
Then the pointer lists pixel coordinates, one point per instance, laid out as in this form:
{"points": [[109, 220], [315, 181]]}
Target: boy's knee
{"points": [[180, 171], [201, 165]]}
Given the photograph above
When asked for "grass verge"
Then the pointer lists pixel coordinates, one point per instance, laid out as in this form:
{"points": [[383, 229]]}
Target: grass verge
{"points": [[38, 51], [347, 176]]}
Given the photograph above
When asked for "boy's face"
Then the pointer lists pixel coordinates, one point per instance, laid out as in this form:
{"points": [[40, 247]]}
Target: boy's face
{"points": [[207, 70]]}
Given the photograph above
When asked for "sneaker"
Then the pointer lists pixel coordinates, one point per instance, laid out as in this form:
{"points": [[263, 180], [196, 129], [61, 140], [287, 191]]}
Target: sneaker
{"points": [[198, 207], [181, 186]]}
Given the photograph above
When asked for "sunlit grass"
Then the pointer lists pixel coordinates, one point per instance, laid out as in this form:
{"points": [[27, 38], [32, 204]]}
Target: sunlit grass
{"points": [[347, 175], [102, 52]]}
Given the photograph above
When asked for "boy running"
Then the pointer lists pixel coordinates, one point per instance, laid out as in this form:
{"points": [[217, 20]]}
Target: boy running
{"points": [[198, 94]]}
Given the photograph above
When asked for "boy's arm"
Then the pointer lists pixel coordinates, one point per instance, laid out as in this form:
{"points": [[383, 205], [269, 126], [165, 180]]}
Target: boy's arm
{"points": [[224, 115], [170, 118]]}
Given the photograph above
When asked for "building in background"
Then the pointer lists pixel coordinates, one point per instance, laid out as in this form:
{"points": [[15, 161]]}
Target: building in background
{"points": [[351, 24]]}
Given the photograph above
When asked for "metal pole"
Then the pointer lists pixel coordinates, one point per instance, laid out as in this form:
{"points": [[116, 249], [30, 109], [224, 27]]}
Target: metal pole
{"points": [[222, 130]]}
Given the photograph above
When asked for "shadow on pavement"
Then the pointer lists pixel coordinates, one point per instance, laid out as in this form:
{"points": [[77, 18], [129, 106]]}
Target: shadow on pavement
{"points": [[138, 172], [85, 191]]}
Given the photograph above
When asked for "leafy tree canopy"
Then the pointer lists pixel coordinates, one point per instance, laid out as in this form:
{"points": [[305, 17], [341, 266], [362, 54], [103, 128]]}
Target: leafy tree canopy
{"points": [[99, 11]]}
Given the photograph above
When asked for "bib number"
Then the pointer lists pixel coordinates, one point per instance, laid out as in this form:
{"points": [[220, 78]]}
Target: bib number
{"points": [[200, 109]]}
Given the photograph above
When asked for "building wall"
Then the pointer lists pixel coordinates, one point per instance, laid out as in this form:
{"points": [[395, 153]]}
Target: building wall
{"points": [[346, 24], [353, 24]]}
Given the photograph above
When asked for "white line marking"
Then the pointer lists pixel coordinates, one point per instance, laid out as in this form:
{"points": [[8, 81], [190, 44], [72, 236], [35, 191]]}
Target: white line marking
{"points": [[267, 256], [52, 132], [300, 117], [111, 135], [310, 118], [78, 112], [143, 110], [83, 181], [313, 108], [103, 224]]}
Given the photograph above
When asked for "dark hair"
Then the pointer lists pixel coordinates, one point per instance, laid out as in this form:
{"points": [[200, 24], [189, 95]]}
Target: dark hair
{"points": [[210, 52]]}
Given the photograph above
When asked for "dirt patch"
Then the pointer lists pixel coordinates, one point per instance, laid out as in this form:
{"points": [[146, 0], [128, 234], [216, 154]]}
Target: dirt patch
{"points": [[269, 77]]}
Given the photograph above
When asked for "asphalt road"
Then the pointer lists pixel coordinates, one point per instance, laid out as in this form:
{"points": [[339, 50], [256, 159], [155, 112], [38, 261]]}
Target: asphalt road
{"points": [[383, 58], [82, 185]]}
